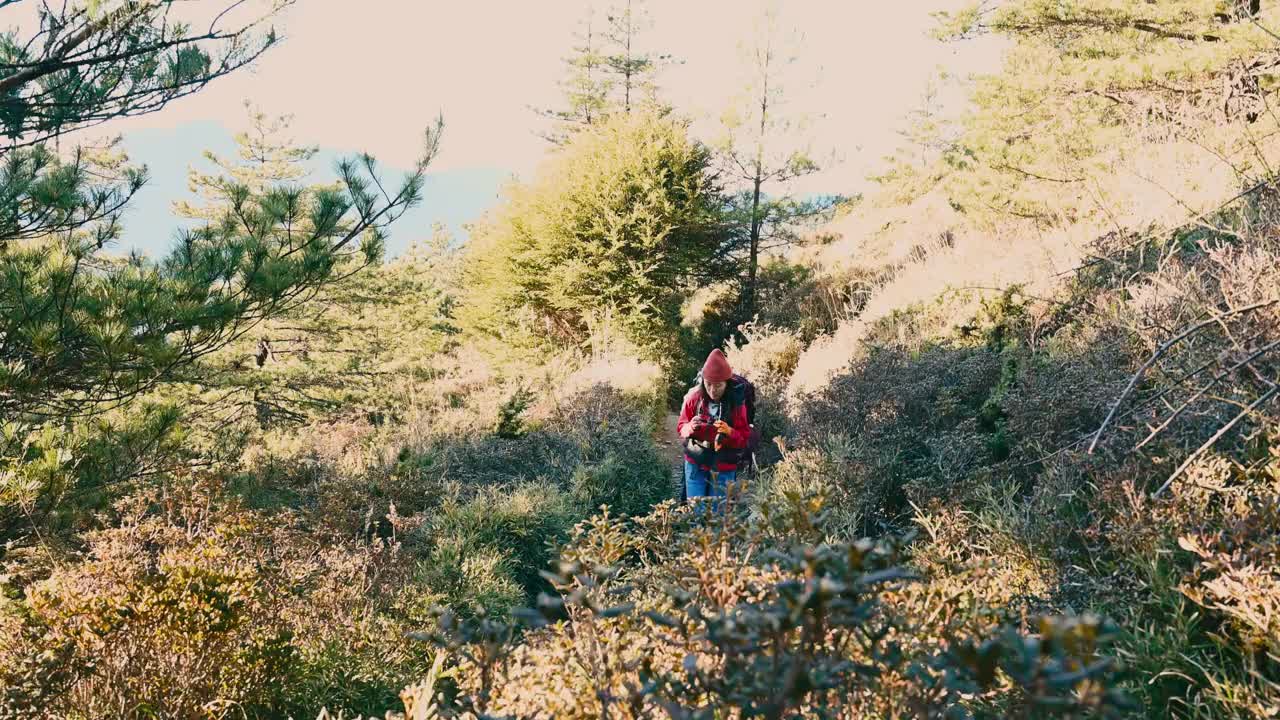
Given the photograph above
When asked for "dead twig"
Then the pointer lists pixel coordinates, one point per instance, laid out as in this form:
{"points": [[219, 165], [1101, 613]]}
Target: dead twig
{"points": [[1263, 398], [1200, 393], [1160, 351]]}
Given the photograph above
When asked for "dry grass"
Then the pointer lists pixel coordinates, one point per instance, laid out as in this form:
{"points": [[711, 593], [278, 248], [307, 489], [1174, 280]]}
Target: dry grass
{"points": [[936, 261]]}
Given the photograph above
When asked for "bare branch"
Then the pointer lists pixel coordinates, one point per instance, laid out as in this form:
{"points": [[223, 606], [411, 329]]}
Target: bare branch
{"points": [[1160, 351], [1262, 399], [1200, 393]]}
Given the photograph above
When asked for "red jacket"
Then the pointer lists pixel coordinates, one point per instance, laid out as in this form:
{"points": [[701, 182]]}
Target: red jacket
{"points": [[741, 435]]}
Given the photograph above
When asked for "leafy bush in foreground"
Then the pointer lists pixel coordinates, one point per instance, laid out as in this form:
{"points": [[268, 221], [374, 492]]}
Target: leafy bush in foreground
{"points": [[752, 614]]}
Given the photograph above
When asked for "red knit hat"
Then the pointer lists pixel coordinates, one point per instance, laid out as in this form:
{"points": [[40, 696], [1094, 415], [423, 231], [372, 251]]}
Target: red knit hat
{"points": [[716, 368]]}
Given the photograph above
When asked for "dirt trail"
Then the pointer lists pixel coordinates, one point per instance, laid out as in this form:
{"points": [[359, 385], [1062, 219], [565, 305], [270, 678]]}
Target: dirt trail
{"points": [[667, 442]]}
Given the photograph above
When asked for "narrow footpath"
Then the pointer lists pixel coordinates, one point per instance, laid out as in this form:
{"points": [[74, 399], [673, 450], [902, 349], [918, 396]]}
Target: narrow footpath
{"points": [[667, 441]]}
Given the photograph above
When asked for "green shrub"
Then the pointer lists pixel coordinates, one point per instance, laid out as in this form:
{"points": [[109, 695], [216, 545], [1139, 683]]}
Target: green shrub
{"points": [[607, 232], [906, 425], [768, 359], [510, 424], [630, 483], [491, 545]]}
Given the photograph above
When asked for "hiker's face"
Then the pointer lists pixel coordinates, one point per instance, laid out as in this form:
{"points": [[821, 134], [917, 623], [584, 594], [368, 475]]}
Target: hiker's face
{"points": [[716, 389]]}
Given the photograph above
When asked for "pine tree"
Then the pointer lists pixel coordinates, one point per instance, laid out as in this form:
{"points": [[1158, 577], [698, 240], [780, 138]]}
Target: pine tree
{"points": [[324, 353], [95, 61], [265, 156], [609, 71], [83, 332], [634, 68], [928, 137], [764, 148], [615, 227], [585, 88], [1086, 82]]}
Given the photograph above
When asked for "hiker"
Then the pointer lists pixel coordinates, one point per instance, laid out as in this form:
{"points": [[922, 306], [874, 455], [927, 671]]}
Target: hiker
{"points": [[715, 429]]}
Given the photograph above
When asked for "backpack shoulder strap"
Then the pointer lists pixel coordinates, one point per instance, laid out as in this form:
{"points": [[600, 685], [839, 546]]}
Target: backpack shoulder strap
{"points": [[747, 396]]}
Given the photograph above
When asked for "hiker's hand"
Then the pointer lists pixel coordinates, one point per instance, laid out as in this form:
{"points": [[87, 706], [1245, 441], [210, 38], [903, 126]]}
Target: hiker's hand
{"points": [[723, 427], [692, 427]]}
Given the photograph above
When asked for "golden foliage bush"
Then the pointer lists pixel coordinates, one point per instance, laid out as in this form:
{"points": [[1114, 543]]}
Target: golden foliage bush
{"points": [[972, 416], [179, 614], [750, 613], [288, 580]]}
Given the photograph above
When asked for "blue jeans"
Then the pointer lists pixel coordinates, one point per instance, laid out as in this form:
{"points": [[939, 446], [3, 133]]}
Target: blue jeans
{"points": [[698, 482]]}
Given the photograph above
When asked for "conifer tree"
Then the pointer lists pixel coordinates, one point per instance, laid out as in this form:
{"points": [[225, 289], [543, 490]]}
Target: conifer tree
{"points": [[90, 62], [633, 66], [81, 331], [1087, 81], [84, 333], [764, 147], [928, 136], [265, 156], [585, 87], [615, 227], [326, 352], [609, 71], [316, 355]]}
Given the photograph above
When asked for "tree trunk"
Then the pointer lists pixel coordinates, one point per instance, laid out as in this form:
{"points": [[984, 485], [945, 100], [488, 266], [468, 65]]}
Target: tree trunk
{"points": [[754, 262], [591, 66], [626, 100], [1240, 10], [756, 220]]}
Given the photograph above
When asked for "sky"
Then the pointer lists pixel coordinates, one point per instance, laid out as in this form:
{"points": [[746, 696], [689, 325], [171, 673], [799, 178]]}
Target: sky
{"points": [[370, 76]]}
